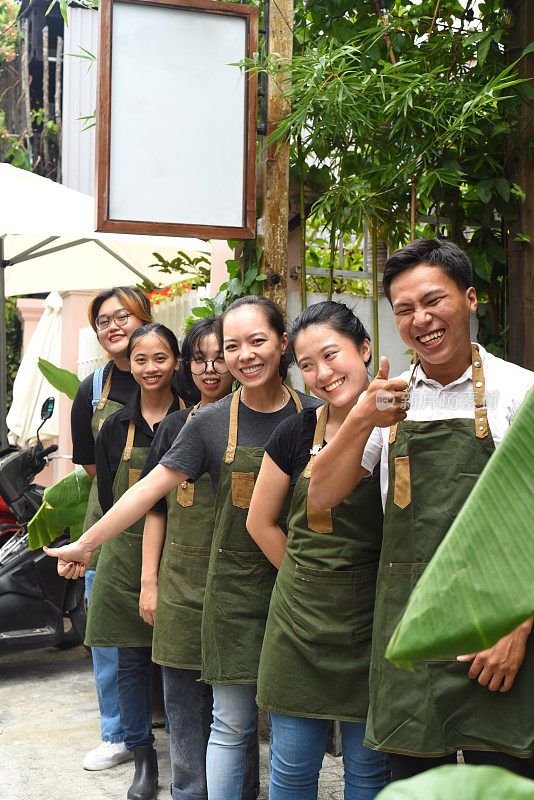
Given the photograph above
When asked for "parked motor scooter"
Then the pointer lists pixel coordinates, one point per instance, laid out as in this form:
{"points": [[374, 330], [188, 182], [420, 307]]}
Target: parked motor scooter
{"points": [[35, 602]]}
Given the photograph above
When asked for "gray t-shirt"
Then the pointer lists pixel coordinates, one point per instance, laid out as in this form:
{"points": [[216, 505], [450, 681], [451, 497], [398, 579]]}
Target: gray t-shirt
{"points": [[201, 444]]}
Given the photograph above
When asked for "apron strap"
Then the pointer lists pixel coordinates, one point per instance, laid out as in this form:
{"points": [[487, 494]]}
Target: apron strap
{"points": [[182, 404], [294, 396], [232, 430], [479, 391], [129, 441], [234, 408], [318, 439], [195, 408], [105, 392]]}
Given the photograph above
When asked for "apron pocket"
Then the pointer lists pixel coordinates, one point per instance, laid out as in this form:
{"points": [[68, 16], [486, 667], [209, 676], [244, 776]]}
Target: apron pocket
{"points": [[127, 558], [245, 581], [133, 477], [185, 495], [185, 576], [400, 582], [242, 488], [319, 520], [403, 491], [464, 484], [333, 607]]}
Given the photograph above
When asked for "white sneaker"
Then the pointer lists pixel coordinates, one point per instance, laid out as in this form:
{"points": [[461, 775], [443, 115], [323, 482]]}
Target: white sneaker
{"points": [[106, 755]]}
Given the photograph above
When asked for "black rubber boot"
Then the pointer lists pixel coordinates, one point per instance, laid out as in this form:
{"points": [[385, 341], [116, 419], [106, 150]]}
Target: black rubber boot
{"points": [[145, 782]]}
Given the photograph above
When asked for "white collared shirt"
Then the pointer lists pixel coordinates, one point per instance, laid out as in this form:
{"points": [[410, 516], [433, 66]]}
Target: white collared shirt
{"points": [[506, 387]]}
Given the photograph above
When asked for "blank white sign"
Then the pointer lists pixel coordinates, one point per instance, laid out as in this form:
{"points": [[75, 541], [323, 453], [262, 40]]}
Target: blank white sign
{"points": [[177, 116]]}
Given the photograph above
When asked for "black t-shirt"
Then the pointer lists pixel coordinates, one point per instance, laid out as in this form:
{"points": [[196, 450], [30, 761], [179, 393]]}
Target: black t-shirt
{"points": [[111, 441], [291, 442], [122, 387], [168, 430]]}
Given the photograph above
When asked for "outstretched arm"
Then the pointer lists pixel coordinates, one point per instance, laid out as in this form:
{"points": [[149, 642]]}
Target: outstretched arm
{"points": [[337, 468], [74, 558], [270, 492]]}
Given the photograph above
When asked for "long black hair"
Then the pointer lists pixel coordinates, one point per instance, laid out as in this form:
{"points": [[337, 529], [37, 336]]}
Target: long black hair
{"points": [[274, 317], [337, 316], [192, 341], [157, 329]]}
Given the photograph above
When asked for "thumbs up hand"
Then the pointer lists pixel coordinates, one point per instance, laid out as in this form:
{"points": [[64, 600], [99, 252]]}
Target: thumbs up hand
{"points": [[386, 401]]}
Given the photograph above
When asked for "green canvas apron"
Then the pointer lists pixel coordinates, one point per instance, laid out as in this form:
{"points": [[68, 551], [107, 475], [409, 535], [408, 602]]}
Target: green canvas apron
{"points": [[436, 709], [182, 575], [113, 619], [321, 614], [240, 578], [104, 409]]}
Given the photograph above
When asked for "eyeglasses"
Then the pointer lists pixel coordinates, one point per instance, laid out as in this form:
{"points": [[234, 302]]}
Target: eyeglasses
{"points": [[199, 366], [120, 318]]}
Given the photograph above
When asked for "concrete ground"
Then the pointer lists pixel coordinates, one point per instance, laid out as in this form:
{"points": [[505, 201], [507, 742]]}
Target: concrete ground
{"points": [[49, 719]]}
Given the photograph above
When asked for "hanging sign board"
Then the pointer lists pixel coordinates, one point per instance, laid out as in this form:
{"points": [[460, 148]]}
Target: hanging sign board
{"points": [[176, 119]]}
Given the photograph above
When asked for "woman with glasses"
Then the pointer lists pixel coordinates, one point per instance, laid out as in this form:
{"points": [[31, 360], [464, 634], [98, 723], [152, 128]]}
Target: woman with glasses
{"points": [[173, 581]]}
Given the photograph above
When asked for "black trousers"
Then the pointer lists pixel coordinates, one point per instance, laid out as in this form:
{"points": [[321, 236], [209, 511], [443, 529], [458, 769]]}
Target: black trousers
{"points": [[408, 766]]}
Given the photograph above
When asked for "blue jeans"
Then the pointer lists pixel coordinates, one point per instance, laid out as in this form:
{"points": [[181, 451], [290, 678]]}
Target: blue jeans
{"points": [[105, 669], [188, 705], [134, 682], [232, 758], [297, 750]]}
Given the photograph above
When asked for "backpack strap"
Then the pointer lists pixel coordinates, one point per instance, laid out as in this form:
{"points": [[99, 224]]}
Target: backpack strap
{"points": [[98, 380]]}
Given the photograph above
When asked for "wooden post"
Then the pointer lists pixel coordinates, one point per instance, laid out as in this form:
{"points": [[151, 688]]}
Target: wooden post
{"points": [[46, 99], [25, 79], [521, 254], [273, 183], [57, 102]]}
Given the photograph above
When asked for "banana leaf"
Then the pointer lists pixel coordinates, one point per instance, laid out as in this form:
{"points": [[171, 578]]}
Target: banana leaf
{"points": [[64, 505], [468, 783], [61, 379], [479, 585]]}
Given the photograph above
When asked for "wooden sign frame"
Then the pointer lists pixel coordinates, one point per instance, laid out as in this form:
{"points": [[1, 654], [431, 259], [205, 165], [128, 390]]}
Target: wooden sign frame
{"points": [[108, 215]]}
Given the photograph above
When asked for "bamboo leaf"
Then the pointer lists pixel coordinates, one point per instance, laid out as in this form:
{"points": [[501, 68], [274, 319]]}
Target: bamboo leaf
{"points": [[64, 505], [61, 379], [478, 586], [468, 783]]}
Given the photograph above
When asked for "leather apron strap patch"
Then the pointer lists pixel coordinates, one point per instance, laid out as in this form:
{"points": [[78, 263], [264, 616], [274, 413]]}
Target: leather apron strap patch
{"points": [[185, 494], [319, 520], [402, 494], [127, 452], [105, 391], [182, 404], [232, 430], [133, 477], [479, 391], [294, 397]]}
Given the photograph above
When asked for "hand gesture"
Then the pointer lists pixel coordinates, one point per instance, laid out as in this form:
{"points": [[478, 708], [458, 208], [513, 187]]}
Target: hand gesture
{"points": [[497, 667], [386, 401], [73, 559]]}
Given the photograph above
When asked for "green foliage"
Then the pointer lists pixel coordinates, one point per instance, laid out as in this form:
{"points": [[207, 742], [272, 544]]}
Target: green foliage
{"points": [[478, 586], [13, 345], [183, 264], [468, 783], [318, 255], [64, 505], [420, 109], [244, 278], [8, 30], [61, 379]]}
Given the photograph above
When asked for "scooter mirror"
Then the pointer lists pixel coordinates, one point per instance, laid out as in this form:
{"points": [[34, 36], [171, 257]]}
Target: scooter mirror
{"points": [[47, 408]]}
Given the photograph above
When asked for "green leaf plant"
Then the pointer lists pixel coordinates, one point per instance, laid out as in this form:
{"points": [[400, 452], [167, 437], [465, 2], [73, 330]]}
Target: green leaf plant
{"points": [[468, 783], [478, 586], [64, 506], [61, 379]]}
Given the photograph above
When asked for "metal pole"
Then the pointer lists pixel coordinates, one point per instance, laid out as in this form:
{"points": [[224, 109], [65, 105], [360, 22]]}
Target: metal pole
{"points": [[3, 351]]}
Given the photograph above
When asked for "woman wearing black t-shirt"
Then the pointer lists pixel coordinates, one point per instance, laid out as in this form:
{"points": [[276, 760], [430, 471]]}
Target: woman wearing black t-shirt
{"points": [[320, 617]]}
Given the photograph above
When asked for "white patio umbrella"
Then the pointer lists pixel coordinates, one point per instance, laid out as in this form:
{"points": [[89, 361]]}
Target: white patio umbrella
{"points": [[48, 242], [31, 388]]}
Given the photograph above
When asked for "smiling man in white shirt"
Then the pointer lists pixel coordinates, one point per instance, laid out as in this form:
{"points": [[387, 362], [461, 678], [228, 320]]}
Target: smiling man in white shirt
{"points": [[461, 402]]}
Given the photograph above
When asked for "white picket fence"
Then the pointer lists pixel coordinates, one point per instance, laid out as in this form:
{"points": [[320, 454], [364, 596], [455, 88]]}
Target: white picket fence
{"points": [[171, 313]]}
